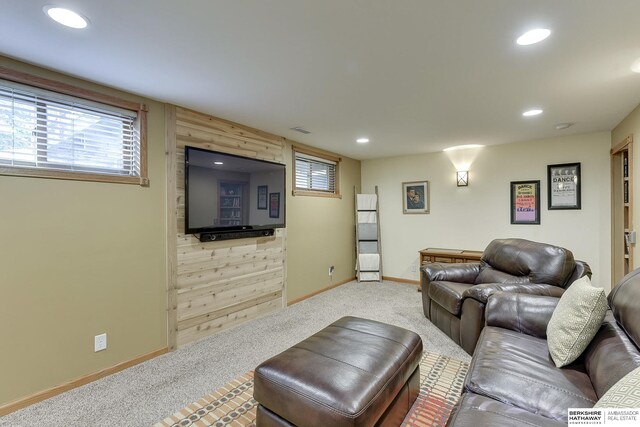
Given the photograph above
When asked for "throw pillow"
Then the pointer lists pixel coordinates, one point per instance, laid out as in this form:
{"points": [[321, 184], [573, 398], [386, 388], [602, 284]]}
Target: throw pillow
{"points": [[575, 321], [624, 394]]}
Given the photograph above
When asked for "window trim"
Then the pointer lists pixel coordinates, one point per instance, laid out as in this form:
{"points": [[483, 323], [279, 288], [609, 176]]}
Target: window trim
{"points": [[322, 155], [89, 95]]}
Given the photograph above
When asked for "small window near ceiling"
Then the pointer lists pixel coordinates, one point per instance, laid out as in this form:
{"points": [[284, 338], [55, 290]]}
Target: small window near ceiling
{"points": [[315, 174], [49, 134]]}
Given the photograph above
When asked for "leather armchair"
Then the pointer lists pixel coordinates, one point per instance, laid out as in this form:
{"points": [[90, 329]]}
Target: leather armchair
{"points": [[454, 296]]}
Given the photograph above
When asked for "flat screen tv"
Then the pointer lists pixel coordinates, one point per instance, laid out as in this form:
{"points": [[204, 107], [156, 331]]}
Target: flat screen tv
{"points": [[227, 193]]}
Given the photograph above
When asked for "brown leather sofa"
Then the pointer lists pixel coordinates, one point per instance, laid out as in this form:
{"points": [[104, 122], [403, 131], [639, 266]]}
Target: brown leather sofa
{"points": [[512, 379], [454, 295]]}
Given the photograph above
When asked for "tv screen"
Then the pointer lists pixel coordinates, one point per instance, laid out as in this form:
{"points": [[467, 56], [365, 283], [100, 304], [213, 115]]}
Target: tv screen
{"points": [[224, 192]]}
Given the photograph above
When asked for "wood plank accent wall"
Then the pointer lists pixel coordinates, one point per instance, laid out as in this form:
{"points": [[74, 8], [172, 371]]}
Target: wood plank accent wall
{"points": [[216, 285]]}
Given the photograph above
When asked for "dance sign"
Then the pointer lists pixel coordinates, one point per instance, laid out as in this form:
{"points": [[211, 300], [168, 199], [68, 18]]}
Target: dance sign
{"points": [[525, 202]]}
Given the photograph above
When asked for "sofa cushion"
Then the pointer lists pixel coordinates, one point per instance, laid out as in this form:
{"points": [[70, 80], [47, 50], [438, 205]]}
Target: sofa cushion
{"points": [[516, 369], [624, 394], [474, 410], [489, 274], [575, 321], [540, 262], [448, 295], [610, 356], [483, 291]]}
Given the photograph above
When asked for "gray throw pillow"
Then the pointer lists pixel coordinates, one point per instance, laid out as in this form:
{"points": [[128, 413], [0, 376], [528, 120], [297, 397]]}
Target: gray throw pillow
{"points": [[575, 321], [624, 394]]}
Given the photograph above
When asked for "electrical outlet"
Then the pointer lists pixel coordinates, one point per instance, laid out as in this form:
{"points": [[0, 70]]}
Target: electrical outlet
{"points": [[331, 271], [100, 342], [414, 267]]}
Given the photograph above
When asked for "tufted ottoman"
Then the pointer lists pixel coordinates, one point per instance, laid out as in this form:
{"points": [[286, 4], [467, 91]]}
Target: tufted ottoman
{"points": [[355, 372]]}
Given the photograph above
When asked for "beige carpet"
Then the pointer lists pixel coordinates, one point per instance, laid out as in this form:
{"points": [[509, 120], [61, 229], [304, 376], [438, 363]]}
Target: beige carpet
{"points": [[441, 380]]}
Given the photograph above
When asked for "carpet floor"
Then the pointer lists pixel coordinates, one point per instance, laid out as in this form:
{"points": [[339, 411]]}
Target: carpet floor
{"points": [[233, 405], [148, 392]]}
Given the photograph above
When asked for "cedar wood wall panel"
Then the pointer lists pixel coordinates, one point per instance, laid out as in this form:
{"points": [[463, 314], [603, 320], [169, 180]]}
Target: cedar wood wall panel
{"points": [[221, 284]]}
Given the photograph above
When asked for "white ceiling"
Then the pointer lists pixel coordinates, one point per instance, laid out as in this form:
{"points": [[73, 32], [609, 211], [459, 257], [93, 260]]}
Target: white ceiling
{"points": [[414, 76]]}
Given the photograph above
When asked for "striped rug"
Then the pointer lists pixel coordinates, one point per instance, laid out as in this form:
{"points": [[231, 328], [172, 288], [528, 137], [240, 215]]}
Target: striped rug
{"points": [[441, 380]]}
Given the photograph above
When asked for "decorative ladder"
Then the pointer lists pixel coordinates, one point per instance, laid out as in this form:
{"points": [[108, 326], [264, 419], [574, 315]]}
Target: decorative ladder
{"points": [[368, 246]]}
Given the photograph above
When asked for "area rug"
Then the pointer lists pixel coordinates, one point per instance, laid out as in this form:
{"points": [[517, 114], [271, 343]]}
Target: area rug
{"points": [[441, 380]]}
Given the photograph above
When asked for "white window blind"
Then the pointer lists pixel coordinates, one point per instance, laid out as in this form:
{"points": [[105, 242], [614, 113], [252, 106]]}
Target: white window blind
{"points": [[315, 174], [46, 130]]}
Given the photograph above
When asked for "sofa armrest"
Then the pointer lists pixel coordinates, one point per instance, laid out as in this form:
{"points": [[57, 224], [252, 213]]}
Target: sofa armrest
{"points": [[463, 272], [482, 292], [448, 272], [528, 314]]}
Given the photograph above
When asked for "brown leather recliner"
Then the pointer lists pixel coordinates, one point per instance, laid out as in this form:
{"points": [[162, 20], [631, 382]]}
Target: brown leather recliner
{"points": [[454, 295]]}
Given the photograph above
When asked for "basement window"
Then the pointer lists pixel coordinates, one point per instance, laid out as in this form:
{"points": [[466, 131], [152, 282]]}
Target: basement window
{"points": [[58, 134], [315, 174]]}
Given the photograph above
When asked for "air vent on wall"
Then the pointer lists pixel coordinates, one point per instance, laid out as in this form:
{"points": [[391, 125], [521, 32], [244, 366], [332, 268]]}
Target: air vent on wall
{"points": [[301, 130]]}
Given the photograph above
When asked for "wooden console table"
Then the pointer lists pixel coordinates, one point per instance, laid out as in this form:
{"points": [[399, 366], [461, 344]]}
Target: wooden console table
{"points": [[430, 255]]}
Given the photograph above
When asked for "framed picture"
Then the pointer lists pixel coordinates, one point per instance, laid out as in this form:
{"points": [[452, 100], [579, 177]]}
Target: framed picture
{"points": [[262, 196], [563, 186], [274, 205], [415, 196], [525, 202]]}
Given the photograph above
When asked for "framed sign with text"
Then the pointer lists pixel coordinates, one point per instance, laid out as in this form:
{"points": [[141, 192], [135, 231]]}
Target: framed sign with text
{"points": [[563, 186], [525, 202]]}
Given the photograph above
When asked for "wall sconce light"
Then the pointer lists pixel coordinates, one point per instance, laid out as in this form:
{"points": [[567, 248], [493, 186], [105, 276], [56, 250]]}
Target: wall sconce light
{"points": [[462, 177]]}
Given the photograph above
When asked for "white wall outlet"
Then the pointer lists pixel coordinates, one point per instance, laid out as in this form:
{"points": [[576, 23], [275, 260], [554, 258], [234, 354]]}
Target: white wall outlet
{"points": [[331, 270], [414, 267], [100, 342]]}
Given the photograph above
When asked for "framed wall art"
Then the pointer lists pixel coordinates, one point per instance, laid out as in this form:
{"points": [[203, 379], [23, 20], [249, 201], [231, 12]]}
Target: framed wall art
{"points": [[563, 186], [525, 202], [415, 196]]}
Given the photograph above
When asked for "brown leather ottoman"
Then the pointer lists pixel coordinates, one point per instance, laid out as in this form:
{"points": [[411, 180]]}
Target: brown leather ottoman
{"points": [[355, 372]]}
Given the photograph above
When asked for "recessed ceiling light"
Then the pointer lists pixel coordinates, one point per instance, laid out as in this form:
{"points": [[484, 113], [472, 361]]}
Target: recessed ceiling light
{"points": [[462, 147], [533, 36], [635, 67], [66, 17], [362, 140], [218, 163], [533, 112]]}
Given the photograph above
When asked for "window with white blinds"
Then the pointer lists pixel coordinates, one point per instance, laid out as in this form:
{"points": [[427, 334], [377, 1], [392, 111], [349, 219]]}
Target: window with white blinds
{"points": [[315, 173], [45, 130]]}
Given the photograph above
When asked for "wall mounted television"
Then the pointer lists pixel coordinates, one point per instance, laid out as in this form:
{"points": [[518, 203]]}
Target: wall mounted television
{"points": [[229, 196]]}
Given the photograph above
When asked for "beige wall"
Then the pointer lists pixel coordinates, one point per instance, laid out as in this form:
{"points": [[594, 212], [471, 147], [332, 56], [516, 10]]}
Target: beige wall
{"points": [[470, 217], [82, 258], [320, 233], [631, 126], [79, 259]]}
